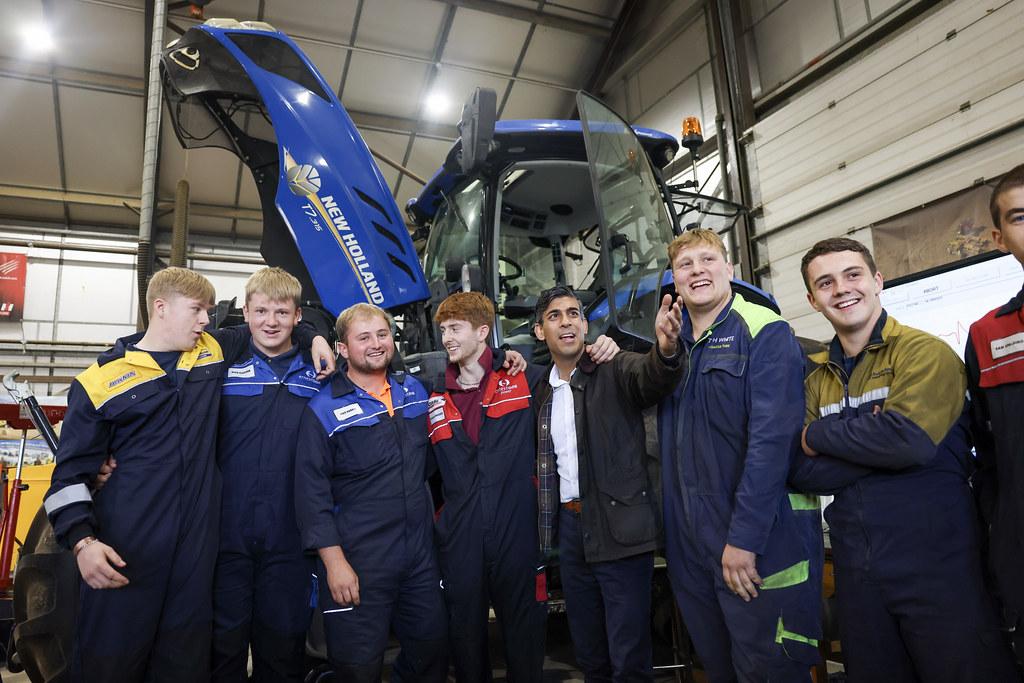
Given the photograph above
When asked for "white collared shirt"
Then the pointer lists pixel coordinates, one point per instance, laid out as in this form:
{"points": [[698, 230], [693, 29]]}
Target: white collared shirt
{"points": [[563, 437]]}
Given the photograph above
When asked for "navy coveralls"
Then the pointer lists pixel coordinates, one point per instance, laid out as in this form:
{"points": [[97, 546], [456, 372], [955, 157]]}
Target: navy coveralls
{"points": [[159, 511], [360, 483], [487, 529], [262, 583], [727, 435]]}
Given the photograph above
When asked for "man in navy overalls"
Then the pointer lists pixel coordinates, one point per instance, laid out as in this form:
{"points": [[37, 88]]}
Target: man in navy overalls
{"points": [[363, 504], [146, 543], [482, 431], [262, 583]]}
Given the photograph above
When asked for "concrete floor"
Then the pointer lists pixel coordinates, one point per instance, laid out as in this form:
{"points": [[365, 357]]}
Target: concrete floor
{"points": [[559, 666]]}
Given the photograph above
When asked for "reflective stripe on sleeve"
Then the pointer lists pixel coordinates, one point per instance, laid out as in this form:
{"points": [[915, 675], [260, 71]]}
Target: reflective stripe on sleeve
{"points": [[76, 493]]}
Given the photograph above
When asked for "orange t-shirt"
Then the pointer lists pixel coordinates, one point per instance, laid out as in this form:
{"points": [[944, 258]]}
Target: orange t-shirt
{"points": [[385, 397]]}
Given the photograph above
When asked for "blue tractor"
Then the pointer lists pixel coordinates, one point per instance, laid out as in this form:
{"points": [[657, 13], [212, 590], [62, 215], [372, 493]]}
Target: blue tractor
{"points": [[516, 207]]}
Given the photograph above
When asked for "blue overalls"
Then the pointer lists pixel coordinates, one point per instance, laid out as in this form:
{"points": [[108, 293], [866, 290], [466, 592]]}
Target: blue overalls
{"points": [[360, 483], [263, 580], [158, 511], [727, 435], [487, 529]]}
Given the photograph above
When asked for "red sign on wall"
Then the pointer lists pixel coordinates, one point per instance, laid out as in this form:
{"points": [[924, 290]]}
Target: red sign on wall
{"points": [[12, 287]]}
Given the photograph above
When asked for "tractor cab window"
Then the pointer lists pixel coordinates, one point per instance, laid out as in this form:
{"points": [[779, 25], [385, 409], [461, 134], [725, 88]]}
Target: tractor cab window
{"points": [[455, 233], [547, 234]]}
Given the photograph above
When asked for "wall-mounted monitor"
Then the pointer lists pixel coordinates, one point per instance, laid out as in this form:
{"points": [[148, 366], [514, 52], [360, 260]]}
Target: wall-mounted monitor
{"points": [[946, 300]]}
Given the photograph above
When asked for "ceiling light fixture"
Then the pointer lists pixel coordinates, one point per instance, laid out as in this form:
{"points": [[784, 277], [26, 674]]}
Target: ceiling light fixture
{"points": [[36, 38], [436, 104]]}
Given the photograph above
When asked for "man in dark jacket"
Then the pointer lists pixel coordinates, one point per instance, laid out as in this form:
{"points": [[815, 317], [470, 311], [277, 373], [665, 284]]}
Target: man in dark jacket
{"points": [[595, 495], [995, 375], [744, 555]]}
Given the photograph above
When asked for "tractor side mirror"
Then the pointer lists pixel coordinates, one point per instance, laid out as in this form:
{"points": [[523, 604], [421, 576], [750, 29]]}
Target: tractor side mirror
{"points": [[476, 129]]}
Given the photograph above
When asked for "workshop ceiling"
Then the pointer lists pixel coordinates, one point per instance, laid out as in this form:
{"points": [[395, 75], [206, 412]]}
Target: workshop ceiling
{"points": [[72, 120]]}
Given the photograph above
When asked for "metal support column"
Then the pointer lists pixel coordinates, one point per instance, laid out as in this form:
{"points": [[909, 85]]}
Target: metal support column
{"points": [[736, 115]]}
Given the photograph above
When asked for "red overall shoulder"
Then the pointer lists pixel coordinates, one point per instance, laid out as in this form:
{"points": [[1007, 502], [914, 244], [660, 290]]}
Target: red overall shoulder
{"points": [[998, 342]]}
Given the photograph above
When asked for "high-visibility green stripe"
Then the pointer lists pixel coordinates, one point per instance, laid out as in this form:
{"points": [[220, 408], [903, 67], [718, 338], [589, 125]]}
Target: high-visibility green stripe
{"points": [[803, 501], [781, 632], [790, 576]]}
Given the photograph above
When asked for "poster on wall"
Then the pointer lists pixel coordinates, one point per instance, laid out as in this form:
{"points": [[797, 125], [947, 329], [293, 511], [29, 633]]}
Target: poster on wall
{"points": [[12, 286]]}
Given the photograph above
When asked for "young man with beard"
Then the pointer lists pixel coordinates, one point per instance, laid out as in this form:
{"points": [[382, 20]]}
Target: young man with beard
{"points": [[744, 554], [146, 543], [363, 505], [262, 583], [595, 493], [482, 436], [995, 375], [885, 432]]}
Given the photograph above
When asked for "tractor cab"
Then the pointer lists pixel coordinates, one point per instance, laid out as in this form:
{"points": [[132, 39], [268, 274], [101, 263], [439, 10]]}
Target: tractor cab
{"points": [[520, 206]]}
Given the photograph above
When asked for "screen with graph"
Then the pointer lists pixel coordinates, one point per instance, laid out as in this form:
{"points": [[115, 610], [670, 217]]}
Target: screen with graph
{"points": [[945, 302]]}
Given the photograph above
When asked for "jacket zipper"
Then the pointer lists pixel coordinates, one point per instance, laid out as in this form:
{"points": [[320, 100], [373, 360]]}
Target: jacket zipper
{"points": [[686, 383]]}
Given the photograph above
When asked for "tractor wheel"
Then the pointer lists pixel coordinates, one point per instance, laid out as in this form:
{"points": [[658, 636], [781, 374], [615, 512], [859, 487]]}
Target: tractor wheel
{"points": [[46, 586]]}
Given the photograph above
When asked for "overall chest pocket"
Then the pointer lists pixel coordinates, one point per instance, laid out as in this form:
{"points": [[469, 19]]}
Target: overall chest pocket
{"points": [[361, 449], [136, 402], [721, 384]]}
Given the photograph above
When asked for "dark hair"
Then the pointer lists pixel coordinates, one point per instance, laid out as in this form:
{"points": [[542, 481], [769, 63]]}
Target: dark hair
{"points": [[545, 298], [1013, 179], [831, 246]]}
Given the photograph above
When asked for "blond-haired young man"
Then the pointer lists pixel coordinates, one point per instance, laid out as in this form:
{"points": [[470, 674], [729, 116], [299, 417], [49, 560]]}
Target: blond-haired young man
{"points": [[744, 556], [146, 543], [262, 584]]}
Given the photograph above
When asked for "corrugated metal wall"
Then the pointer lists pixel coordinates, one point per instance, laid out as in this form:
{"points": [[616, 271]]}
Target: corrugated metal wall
{"points": [[898, 127], [86, 297]]}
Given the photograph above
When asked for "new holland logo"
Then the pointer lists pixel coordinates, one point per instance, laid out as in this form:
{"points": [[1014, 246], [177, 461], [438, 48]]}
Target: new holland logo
{"points": [[304, 181]]}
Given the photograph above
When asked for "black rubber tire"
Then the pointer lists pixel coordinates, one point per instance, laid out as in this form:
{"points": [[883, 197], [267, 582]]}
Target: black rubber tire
{"points": [[46, 586]]}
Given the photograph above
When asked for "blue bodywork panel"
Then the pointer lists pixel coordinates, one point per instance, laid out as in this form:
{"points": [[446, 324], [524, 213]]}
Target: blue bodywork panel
{"points": [[334, 201]]}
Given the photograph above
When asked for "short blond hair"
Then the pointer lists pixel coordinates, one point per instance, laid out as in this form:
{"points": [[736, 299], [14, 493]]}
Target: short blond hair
{"points": [[181, 282], [360, 312], [692, 238], [276, 284]]}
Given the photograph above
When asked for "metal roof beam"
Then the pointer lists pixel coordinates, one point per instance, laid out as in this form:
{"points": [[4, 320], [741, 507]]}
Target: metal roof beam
{"points": [[398, 124], [118, 201], [534, 17]]}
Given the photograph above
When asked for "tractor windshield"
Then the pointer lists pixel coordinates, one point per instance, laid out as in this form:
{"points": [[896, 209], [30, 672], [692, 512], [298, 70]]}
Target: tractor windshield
{"points": [[455, 234]]}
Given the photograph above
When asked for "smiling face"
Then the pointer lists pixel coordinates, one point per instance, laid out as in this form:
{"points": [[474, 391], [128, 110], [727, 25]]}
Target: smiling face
{"points": [[843, 289], [563, 328], [271, 323], [703, 278], [368, 345], [463, 342]]}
